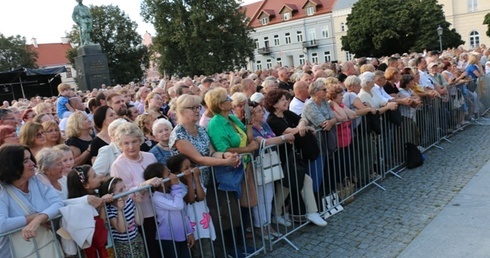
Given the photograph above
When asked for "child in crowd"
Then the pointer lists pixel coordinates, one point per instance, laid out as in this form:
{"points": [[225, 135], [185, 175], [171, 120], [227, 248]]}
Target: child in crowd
{"points": [[124, 217], [174, 227], [68, 160], [62, 105], [83, 180], [197, 210]]}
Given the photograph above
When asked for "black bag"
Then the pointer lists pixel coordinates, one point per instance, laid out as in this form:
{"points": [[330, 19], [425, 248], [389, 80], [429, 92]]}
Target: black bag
{"points": [[373, 122], [414, 156], [308, 145], [328, 140], [395, 116]]}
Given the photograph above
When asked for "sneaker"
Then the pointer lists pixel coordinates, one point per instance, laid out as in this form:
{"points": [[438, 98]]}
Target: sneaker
{"points": [[316, 219], [281, 220], [286, 217]]}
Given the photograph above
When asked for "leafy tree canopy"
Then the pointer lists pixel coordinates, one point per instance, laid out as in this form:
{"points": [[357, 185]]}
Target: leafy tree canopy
{"points": [[198, 36], [117, 35], [487, 22], [14, 53], [385, 27]]}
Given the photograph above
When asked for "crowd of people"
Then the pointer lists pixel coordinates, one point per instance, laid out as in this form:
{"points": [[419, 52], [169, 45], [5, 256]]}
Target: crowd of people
{"points": [[85, 147]]}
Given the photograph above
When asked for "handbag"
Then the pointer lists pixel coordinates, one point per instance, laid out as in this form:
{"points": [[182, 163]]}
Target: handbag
{"points": [[308, 144], [268, 166], [45, 242], [249, 196]]}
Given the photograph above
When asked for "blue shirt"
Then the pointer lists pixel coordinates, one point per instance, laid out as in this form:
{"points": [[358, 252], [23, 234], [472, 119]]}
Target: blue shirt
{"points": [[61, 106]]}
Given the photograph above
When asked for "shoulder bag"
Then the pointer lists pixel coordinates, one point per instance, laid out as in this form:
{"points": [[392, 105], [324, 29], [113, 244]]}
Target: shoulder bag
{"points": [[268, 165]]}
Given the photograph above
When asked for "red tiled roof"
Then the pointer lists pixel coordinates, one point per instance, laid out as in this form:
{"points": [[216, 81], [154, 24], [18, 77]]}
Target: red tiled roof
{"points": [[322, 7], [269, 13], [51, 54]]}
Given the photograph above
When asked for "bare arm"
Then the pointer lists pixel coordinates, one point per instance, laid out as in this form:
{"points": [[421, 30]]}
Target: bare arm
{"points": [[186, 148]]}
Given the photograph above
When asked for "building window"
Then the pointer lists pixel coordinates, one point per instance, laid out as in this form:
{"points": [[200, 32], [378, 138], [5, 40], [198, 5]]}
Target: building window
{"points": [[256, 43], [348, 56], [286, 16], [266, 41], [299, 36], [312, 34], [287, 38], [268, 63], [474, 39], [325, 32], [68, 73], [276, 40], [327, 56], [314, 58], [342, 26], [279, 61], [264, 21], [310, 10], [301, 59], [472, 6], [259, 65]]}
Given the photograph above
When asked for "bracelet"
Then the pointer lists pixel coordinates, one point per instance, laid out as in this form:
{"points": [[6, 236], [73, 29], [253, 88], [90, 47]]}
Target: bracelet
{"points": [[283, 138], [223, 155], [212, 154]]}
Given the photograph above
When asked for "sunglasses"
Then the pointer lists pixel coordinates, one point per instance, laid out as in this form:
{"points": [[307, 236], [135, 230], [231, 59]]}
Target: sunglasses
{"points": [[227, 99]]}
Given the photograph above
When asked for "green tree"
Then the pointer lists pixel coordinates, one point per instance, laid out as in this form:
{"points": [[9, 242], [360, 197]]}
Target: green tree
{"points": [[487, 22], [117, 35], [14, 53], [199, 36], [385, 27]]}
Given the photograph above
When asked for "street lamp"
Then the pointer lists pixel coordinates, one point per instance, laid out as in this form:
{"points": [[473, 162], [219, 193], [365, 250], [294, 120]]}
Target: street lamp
{"points": [[439, 33]]}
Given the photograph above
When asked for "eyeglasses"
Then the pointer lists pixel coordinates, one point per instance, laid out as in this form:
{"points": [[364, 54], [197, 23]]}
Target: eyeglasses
{"points": [[40, 135], [194, 108], [253, 104], [227, 99]]}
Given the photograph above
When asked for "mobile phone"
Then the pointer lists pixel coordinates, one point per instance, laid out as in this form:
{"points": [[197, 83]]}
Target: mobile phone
{"points": [[248, 115]]}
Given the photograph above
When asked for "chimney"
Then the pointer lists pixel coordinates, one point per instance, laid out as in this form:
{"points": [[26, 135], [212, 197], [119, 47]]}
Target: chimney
{"points": [[34, 42]]}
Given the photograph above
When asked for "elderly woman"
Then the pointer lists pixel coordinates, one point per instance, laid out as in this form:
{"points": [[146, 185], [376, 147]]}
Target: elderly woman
{"points": [[78, 129], [26, 203], [161, 129], [193, 141], [265, 193], [53, 133], [129, 166], [353, 85], [282, 121], [33, 136], [103, 117], [144, 122], [238, 102], [68, 159], [374, 100], [108, 154], [50, 165], [8, 135]]}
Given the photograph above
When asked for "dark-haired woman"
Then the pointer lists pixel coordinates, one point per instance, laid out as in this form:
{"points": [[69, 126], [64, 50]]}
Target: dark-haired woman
{"points": [[25, 202], [103, 116]]}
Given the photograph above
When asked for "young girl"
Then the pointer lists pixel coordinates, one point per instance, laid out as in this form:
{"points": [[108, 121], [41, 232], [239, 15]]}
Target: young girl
{"points": [[82, 181], [197, 210], [124, 218], [174, 227]]}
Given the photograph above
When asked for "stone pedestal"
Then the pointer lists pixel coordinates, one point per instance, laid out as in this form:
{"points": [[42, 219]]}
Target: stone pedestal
{"points": [[92, 68]]}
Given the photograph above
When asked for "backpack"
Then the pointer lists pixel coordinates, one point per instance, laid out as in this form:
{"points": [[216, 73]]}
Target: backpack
{"points": [[414, 156]]}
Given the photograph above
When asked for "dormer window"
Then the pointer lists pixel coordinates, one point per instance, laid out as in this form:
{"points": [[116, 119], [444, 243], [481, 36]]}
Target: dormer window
{"points": [[264, 20], [287, 16], [310, 10]]}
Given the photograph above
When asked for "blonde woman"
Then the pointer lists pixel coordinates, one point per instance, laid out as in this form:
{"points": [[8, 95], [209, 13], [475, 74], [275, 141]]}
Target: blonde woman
{"points": [[78, 128], [32, 135], [53, 133]]}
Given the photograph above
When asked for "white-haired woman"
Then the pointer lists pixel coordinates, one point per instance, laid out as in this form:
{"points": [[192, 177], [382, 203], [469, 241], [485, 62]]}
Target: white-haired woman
{"points": [[108, 154], [238, 102], [78, 129], [161, 130], [129, 166], [370, 97], [50, 170]]}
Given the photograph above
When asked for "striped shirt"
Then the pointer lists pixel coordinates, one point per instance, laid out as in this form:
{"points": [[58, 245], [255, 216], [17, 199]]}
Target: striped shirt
{"points": [[128, 212]]}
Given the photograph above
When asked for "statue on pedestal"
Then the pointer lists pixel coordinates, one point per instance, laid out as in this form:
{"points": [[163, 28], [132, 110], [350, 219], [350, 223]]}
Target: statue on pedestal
{"points": [[83, 18]]}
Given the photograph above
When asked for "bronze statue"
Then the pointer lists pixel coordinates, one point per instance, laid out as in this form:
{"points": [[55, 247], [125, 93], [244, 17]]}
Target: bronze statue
{"points": [[82, 17]]}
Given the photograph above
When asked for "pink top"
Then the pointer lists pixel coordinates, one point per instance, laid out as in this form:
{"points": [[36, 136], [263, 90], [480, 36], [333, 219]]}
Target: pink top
{"points": [[344, 134], [131, 173]]}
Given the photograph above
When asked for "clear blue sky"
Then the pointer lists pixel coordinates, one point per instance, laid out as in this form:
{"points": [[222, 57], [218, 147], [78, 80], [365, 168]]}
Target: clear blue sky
{"points": [[48, 20]]}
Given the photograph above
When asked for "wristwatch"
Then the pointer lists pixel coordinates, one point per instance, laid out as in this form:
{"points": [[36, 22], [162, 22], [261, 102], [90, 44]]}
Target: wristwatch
{"points": [[283, 138]]}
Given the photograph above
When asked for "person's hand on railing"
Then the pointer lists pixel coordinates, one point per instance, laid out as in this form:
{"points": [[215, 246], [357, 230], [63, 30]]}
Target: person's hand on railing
{"points": [[108, 198], [137, 197], [155, 182], [289, 137], [232, 159], [120, 204], [392, 105], [174, 180], [328, 124], [94, 201], [29, 231], [196, 172]]}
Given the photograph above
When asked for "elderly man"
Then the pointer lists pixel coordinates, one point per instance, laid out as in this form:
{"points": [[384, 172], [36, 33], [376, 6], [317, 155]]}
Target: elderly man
{"points": [[181, 88], [7, 117], [301, 94], [248, 87], [348, 68], [283, 75]]}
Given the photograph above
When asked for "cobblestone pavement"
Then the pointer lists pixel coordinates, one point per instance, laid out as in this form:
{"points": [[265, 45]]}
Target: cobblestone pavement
{"points": [[382, 223]]}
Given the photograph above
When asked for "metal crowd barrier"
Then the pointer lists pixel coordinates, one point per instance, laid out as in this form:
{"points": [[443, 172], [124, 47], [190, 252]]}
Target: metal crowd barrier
{"points": [[361, 157]]}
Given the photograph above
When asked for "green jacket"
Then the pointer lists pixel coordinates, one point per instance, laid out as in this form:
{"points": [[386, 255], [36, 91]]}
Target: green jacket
{"points": [[222, 134]]}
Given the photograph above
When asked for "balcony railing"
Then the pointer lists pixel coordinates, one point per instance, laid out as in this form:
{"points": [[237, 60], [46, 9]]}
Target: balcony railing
{"points": [[264, 50], [310, 43]]}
